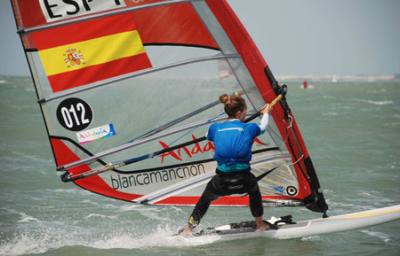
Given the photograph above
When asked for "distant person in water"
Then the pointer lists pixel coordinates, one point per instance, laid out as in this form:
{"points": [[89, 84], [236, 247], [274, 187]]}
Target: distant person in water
{"points": [[305, 84], [233, 140]]}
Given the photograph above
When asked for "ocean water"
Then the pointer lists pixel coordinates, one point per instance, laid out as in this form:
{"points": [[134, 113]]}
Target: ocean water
{"points": [[352, 132]]}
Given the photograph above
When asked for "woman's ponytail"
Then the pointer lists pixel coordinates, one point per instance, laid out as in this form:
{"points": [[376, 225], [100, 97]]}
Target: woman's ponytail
{"points": [[232, 103]]}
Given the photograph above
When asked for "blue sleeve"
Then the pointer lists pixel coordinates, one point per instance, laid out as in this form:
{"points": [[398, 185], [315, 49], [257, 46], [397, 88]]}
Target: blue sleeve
{"points": [[211, 132], [254, 130]]}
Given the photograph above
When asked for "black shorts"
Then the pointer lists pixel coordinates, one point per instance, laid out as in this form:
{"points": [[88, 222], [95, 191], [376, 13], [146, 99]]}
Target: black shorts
{"points": [[224, 184], [233, 183]]}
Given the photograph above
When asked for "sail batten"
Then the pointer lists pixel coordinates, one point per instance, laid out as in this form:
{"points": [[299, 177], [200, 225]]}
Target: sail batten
{"points": [[147, 71], [119, 79], [139, 142]]}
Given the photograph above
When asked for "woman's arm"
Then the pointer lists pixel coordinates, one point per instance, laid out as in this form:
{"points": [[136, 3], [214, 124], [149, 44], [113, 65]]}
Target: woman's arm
{"points": [[264, 122], [265, 117]]}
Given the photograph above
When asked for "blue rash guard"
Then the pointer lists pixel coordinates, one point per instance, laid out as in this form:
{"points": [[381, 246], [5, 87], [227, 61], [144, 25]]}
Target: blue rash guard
{"points": [[233, 141]]}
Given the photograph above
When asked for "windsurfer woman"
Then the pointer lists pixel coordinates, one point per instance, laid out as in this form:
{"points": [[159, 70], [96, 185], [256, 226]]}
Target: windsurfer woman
{"points": [[233, 140]]}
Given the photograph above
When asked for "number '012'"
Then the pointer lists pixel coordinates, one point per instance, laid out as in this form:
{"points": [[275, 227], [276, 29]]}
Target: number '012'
{"points": [[74, 114]]}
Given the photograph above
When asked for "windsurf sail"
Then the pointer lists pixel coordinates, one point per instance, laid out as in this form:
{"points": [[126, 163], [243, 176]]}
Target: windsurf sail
{"points": [[127, 88]]}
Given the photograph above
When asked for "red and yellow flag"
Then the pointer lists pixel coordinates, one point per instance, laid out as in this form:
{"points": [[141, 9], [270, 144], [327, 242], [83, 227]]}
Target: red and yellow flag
{"points": [[81, 53]]}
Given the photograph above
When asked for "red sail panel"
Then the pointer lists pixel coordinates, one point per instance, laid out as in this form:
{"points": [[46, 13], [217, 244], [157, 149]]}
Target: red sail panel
{"points": [[64, 155], [28, 13], [82, 31], [173, 24]]}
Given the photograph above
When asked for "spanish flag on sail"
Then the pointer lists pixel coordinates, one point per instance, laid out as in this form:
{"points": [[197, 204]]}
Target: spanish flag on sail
{"points": [[85, 52]]}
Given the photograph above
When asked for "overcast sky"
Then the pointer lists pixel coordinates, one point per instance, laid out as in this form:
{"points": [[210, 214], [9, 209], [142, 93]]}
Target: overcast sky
{"points": [[296, 37]]}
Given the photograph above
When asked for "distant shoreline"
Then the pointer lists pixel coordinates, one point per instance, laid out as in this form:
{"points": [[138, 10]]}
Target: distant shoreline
{"points": [[292, 78], [336, 78]]}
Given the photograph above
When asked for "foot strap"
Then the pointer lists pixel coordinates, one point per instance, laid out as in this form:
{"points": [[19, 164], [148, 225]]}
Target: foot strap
{"points": [[270, 225]]}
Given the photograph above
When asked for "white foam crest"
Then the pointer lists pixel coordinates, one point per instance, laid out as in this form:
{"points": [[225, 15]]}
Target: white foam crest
{"points": [[23, 217], [311, 238], [28, 218], [132, 207], [384, 237], [20, 245], [100, 205], [40, 242], [36, 243], [380, 103], [375, 102], [365, 193], [162, 237], [96, 215]]}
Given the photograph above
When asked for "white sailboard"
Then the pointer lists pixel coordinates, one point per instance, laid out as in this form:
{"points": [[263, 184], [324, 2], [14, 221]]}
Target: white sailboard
{"points": [[304, 228]]}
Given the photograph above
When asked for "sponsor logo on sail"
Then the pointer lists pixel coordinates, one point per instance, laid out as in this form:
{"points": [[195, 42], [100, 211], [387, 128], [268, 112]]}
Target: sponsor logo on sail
{"points": [[100, 132], [154, 177], [189, 152]]}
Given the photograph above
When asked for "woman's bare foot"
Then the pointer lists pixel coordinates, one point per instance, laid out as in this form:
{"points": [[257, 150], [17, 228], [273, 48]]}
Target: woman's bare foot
{"points": [[186, 231], [261, 225]]}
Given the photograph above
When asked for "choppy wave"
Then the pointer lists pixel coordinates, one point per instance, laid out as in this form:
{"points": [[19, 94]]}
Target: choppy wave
{"points": [[22, 216], [18, 160], [26, 218], [375, 102], [100, 216], [330, 114], [384, 237], [160, 238], [40, 214], [380, 103], [41, 242], [311, 238]]}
